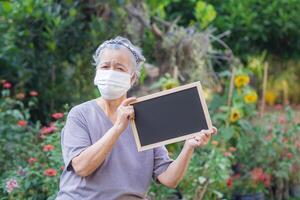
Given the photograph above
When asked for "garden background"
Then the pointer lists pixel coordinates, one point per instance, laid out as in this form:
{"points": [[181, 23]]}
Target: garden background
{"points": [[245, 53]]}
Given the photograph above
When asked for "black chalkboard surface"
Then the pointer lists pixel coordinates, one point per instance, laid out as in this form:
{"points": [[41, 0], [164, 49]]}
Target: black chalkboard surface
{"points": [[169, 116]]}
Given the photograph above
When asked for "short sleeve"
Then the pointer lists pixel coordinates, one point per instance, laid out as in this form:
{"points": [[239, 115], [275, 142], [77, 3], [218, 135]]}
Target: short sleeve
{"points": [[161, 161], [75, 137]]}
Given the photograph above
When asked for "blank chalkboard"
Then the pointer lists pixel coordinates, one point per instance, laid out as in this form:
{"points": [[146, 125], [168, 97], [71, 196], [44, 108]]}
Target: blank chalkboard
{"points": [[169, 116]]}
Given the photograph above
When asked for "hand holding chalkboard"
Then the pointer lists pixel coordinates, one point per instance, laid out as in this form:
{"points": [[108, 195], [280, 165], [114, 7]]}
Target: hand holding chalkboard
{"points": [[170, 116]]}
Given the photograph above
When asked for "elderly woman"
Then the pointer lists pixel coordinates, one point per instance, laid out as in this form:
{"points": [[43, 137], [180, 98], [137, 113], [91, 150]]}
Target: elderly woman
{"points": [[99, 151]]}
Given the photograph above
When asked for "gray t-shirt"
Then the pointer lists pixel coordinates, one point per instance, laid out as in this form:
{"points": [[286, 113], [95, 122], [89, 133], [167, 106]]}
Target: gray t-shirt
{"points": [[125, 173]]}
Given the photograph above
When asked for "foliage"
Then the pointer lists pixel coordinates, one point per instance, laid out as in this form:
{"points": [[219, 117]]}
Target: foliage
{"points": [[30, 155], [48, 46], [260, 25]]}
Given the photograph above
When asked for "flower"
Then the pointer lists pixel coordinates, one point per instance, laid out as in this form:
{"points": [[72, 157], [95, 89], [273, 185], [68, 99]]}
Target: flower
{"points": [[22, 123], [229, 182], [48, 147], [50, 172], [251, 97], [278, 106], [232, 149], [11, 185], [235, 115], [31, 160], [241, 80], [21, 171], [47, 130], [57, 115], [33, 93], [257, 174], [214, 142], [7, 85], [62, 167], [20, 96], [282, 119], [289, 155], [227, 154], [270, 97]]}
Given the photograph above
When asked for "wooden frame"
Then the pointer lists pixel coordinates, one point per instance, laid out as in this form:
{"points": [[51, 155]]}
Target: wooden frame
{"points": [[165, 92]]}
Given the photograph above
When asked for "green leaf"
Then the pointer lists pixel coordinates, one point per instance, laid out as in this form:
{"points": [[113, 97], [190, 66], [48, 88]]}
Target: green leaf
{"points": [[227, 133]]}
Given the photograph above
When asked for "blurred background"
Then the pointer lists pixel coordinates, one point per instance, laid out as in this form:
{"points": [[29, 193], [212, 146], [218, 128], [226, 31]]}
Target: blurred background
{"points": [[245, 53]]}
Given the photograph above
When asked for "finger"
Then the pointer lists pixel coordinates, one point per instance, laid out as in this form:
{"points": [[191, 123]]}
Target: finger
{"points": [[215, 130], [128, 101], [130, 114]]}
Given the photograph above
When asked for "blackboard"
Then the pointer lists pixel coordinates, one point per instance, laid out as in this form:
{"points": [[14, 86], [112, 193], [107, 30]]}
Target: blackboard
{"points": [[169, 116]]}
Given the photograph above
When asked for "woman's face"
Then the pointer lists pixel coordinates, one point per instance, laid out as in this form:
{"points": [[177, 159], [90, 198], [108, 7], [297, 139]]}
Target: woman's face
{"points": [[116, 59]]}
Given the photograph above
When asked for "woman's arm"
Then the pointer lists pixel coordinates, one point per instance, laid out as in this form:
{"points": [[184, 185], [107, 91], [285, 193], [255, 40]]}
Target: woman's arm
{"points": [[176, 170], [92, 157]]}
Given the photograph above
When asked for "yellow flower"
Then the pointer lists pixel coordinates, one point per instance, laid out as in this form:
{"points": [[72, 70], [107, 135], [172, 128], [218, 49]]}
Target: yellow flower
{"points": [[241, 80], [270, 97], [235, 115], [251, 97], [169, 84]]}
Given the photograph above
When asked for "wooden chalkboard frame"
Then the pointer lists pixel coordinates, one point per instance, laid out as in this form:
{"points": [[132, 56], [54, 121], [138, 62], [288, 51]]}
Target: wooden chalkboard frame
{"points": [[162, 93]]}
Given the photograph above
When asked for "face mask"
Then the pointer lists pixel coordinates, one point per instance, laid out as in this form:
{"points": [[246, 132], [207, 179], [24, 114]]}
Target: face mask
{"points": [[112, 84]]}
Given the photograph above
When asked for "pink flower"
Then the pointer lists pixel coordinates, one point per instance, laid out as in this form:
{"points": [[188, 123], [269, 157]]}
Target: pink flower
{"points": [[11, 185], [7, 85], [278, 106], [62, 168], [57, 115], [48, 147], [22, 123], [33, 93], [50, 172], [227, 154], [289, 155], [47, 130], [256, 174], [31, 160], [282, 119]]}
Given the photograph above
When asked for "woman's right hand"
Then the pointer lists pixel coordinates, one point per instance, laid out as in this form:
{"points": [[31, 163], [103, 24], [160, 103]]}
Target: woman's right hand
{"points": [[124, 113]]}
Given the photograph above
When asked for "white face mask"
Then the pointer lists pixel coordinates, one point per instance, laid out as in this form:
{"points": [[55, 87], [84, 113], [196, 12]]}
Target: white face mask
{"points": [[112, 84]]}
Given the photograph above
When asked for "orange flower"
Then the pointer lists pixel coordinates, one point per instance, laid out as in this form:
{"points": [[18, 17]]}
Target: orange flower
{"points": [[214, 142], [232, 149], [50, 172], [57, 115], [22, 123], [48, 147], [20, 96]]}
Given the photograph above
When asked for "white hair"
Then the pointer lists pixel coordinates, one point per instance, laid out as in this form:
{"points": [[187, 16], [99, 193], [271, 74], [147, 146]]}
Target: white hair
{"points": [[117, 43]]}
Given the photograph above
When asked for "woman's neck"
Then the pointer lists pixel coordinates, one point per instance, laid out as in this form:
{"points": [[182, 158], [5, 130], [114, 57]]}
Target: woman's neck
{"points": [[110, 106]]}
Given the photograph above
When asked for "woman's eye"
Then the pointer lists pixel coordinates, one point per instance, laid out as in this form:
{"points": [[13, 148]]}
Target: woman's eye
{"points": [[120, 69], [104, 67]]}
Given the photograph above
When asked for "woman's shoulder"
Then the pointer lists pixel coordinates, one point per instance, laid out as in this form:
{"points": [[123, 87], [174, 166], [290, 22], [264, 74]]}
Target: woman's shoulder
{"points": [[81, 109]]}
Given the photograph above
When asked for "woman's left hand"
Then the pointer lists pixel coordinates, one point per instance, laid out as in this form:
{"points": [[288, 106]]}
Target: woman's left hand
{"points": [[201, 139]]}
